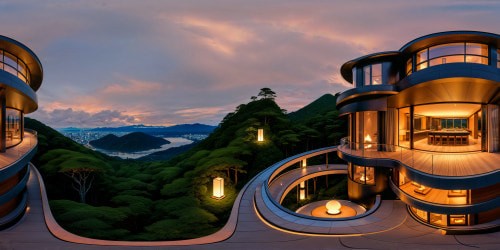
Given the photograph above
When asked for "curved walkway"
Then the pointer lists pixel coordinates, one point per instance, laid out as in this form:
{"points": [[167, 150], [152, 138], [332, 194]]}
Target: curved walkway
{"points": [[244, 230]]}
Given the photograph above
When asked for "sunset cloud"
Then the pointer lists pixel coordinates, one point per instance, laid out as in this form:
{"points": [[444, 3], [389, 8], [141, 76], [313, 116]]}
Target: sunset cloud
{"points": [[170, 62]]}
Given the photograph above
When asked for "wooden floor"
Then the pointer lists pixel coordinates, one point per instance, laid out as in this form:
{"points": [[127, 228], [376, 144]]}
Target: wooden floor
{"points": [[12, 154], [438, 196], [436, 163]]}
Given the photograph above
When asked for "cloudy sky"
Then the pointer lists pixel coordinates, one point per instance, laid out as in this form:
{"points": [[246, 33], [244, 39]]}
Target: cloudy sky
{"points": [[157, 62]]}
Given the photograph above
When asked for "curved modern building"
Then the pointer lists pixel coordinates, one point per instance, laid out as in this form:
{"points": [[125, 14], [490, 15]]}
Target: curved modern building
{"points": [[424, 123], [21, 75]]}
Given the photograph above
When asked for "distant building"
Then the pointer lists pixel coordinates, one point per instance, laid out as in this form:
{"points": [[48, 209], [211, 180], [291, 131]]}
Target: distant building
{"points": [[424, 123], [21, 75]]}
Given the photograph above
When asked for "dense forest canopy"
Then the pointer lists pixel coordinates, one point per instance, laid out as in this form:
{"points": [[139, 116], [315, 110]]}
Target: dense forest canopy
{"points": [[98, 196]]}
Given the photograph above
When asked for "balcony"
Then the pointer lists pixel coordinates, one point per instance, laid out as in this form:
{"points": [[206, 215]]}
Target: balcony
{"points": [[439, 169], [14, 154]]}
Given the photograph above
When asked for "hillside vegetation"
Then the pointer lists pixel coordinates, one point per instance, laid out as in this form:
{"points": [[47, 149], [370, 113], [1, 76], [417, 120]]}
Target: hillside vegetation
{"points": [[133, 142], [97, 196]]}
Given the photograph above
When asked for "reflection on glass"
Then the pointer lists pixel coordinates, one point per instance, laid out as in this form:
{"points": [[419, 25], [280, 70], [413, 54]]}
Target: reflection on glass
{"points": [[376, 74], [422, 56], [12, 127], [364, 175], [409, 67], [13, 65], [446, 49], [366, 73], [438, 219], [354, 76], [452, 53], [476, 49], [372, 74]]}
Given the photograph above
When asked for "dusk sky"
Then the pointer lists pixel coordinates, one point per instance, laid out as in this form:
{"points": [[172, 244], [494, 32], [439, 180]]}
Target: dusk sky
{"points": [[119, 62]]}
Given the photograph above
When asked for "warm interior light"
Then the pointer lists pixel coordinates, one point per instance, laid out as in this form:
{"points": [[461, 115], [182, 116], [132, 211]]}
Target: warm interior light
{"points": [[303, 184], [333, 207], [218, 188], [302, 194], [364, 177], [304, 163], [260, 134], [368, 139]]}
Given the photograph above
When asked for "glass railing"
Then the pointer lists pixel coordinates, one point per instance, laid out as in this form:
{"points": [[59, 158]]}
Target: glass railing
{"points": [[443, 164], [28, 143]]}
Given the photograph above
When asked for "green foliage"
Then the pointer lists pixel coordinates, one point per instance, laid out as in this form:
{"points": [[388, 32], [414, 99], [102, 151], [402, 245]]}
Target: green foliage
{"points": [[166, 200]]}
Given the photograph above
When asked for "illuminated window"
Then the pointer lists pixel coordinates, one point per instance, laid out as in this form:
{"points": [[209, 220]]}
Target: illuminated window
{"points": [[420, 213], [363, 175], [438, 219], [372, 74], [12, 127], [13, 65], [409, 67], [452, 53], [458, 219]]}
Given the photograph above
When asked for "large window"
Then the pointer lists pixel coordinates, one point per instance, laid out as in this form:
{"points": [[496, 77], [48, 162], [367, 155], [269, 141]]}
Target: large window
{"points": [[451, 53], [372, 74], [498, 58], [362, 174], [13, 65], [13, 127], [366, 129]]}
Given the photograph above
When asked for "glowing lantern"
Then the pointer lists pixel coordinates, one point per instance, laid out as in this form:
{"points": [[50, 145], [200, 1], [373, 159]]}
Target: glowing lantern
{"points": [[333, 207], [302, 194], [304, 163], [218, 188], [260, 134]]}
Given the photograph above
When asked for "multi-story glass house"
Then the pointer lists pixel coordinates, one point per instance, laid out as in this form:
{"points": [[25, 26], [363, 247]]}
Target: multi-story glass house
{"points": [[424, 123], [21, 75]]}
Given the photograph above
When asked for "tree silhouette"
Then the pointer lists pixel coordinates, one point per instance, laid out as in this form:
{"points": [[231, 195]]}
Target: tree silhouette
{"points": [[267, 93]]}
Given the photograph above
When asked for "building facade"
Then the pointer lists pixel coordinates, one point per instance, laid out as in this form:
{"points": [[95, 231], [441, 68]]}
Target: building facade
{"points": [[424, 124], [21, 75]]}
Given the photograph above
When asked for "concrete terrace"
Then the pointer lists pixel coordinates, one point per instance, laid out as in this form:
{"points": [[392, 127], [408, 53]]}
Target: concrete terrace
{"points": [[389, 227]]}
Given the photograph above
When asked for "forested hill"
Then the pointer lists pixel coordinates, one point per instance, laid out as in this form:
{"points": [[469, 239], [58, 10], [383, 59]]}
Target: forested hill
{"points": [[320, 106], [166, 200], [133, 142]]}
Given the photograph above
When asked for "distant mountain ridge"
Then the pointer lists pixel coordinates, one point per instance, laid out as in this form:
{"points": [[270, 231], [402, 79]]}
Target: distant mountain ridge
{"points": [[195, 128], [133, 142]]}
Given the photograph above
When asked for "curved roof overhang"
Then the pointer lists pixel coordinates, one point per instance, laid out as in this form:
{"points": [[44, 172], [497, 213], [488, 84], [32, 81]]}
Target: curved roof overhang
{"points": [[18, 94], [454, 82], [27, 56], [450, 37], [346, 69], [372, 91], [455, 89]]}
